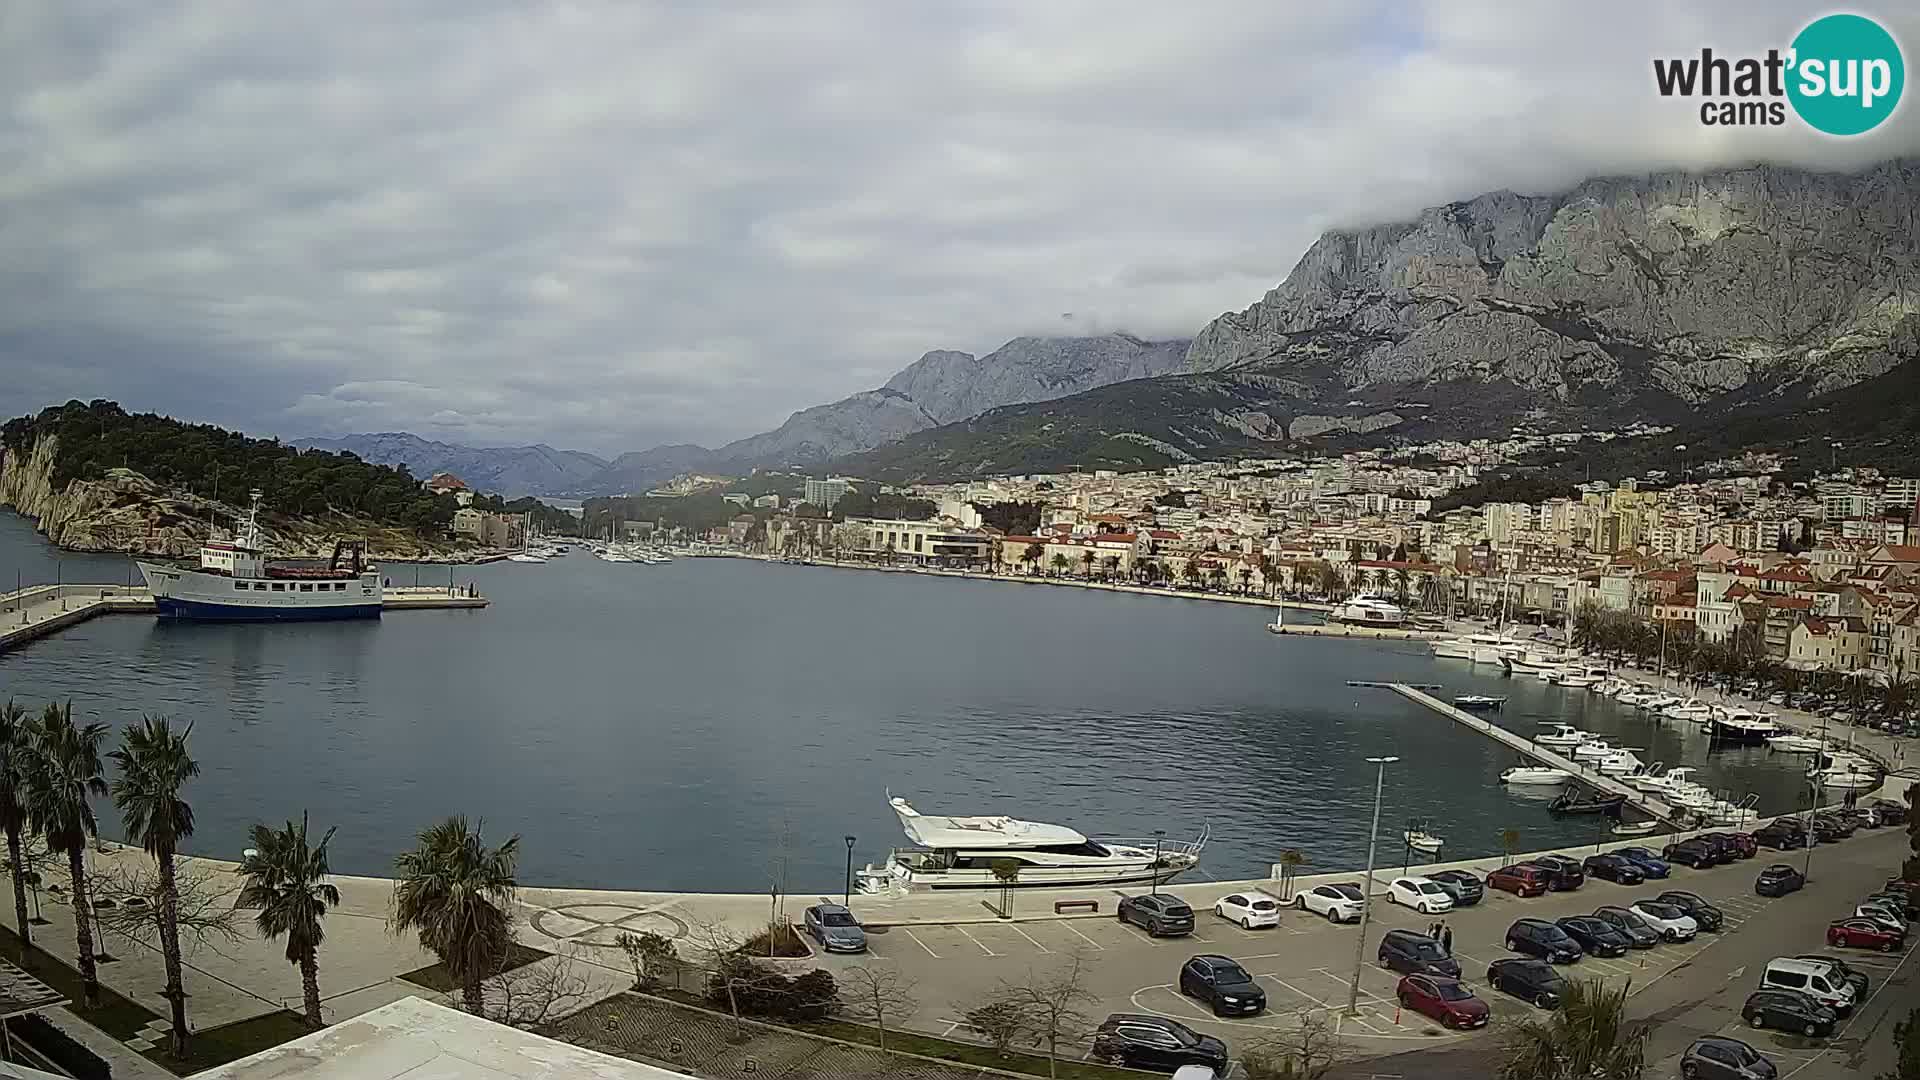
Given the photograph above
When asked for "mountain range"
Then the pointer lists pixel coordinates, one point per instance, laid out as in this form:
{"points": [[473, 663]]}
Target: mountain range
{"points": [[1677, 297]]}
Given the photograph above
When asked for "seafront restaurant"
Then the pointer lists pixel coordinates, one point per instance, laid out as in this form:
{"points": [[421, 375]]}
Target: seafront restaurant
{"points": [[939, 542]]}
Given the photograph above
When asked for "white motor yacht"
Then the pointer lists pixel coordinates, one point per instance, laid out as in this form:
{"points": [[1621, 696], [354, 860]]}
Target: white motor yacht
{"points": [[1658, 702], [963, 853], [1693, 712], [1652, 779], [1483, 648], [1796, 744], [1595, 749], [1562, 735], [1368, 609], [1535, 774], [1848, 772], [1574, 680], [1622, 763], [1743, 728]]}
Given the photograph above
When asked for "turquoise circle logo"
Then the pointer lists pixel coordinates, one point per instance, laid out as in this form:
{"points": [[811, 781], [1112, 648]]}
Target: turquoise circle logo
{"points": [[1847, 74]]}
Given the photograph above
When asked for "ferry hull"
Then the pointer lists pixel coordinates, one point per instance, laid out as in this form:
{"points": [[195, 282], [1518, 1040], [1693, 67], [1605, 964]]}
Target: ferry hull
{"points": [[203, 611]]}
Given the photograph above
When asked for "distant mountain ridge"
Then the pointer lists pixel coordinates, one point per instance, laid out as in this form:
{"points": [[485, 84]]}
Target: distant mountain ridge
{"points": [[940, 387]]}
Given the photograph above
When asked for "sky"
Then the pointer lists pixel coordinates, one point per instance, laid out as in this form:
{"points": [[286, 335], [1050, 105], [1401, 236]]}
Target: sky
{"points": [[611, 225]]}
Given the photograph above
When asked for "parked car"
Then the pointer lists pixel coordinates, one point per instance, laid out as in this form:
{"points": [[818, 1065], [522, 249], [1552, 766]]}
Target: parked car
{"points": [[1408, 953], [1909, 889], [1779, 880], [1782, 834], [1818, 979], [1788, 1010], [1597, 937], [1722, 846], [1743, 845], [1528, 979], [1709, 918], [1223, 984], [1423, 895], [1714, 1057], [1251, 910], [1673, 924], [1839, 825], [1467, 889], [1651, 865], [1543, 940], [1642, 935], [1855, 979], [1340, 903], [1696, 853], [1566, 873], [1445, 1000], [1522, 879], [1155, 1042], [1159, 914], [835, 928], [1886, 811], [1864, 934], [1613, 868], [1892, 901], [1895, 922]]}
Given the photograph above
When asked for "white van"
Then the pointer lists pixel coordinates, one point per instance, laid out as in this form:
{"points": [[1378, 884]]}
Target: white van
{"points": [[1815, 977]]}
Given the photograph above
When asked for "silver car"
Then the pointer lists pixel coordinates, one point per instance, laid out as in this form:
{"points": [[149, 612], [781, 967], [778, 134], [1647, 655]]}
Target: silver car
{"points": [[835, 928]]}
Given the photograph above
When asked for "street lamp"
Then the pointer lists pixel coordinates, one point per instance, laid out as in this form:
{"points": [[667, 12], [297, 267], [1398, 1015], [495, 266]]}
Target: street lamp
{"points": [[1366, 899], [1815, 789], [846, 898]]}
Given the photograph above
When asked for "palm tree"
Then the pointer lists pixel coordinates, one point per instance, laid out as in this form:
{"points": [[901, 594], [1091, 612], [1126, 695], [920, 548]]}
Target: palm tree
{"points": [[1059, 562], [1586, 1038], [1246, 579], [16, 747], [1032, 556], [1291, 860], [287, 882], [1112, 563], [62, 778], [453, 890], [1086, 564], [154, 766]]}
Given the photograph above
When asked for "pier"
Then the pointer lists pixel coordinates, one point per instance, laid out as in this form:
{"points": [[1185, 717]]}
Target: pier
{"points": [[33, 613], [1639, 800]]}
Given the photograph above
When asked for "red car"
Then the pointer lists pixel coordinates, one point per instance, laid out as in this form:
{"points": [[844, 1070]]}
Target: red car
{"points": [[1443, 999], [1522, 879], [1864, 934]]}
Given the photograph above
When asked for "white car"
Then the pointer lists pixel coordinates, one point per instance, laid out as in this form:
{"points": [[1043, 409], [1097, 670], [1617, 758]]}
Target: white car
{"points": [[1339, 903], [1250, 910], [1671, 923], [1883, 915], [1424, 895]]}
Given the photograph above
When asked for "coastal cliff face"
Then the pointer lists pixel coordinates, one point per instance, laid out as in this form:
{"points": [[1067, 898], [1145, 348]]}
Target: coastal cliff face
{"points": [[125, 512]]}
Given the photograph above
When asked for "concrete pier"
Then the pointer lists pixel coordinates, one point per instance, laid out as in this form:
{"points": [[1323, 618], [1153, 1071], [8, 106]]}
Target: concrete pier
{"points": [[33, 613], [1639, 800]]}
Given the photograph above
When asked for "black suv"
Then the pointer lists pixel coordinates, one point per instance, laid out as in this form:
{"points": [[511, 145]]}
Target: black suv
{"points": [[1779, 880], [1223, 984], [1708, 917], [1564, 874], [1597, 936], [1639, 932], [1528, 980], [1416, 954], [1784, 834], [1543, 940], [1614, 868], [1696, 853], [1154, 1042], [1159, 914], [1465, 887], [1788, 1010]]}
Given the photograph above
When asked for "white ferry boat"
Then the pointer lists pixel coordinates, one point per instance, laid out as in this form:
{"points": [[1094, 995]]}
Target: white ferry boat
{"points": [[235, 582], [961, 853]]}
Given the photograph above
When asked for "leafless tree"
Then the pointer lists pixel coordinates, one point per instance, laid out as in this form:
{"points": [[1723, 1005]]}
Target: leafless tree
{"points": [[872, 994], [731, 973], [1307, 1052], [999, 1019], [536, 994], [1053, 1003], [206, 913]]}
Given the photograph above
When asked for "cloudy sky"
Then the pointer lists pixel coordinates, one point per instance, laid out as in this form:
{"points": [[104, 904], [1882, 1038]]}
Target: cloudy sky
{"points": [[609, 225]]}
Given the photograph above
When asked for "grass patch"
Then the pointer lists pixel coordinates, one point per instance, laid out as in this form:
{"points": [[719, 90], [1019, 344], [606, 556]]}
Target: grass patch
{"points": [[910, 1042], [435, 977], [118, 1016], [217, 1046]]}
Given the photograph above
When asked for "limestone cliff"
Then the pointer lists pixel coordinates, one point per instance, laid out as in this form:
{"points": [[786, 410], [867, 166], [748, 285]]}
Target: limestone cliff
{"points": [[126, 512]]}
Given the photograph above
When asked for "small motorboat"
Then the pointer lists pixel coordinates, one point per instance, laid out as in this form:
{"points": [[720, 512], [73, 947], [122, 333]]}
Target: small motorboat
{"points": [[1570, 803], [1578, 682], [1638, 828], [1535, 774], [1478, 702], [1562, 735], [1422, 840], [1796, 744]]}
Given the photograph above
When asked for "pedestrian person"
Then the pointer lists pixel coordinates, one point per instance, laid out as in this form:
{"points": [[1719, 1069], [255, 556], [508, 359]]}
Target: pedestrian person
{"points": [[1446, 939]]}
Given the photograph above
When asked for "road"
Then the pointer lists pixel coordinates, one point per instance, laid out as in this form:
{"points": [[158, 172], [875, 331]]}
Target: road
{"points": [[1307, 965]]}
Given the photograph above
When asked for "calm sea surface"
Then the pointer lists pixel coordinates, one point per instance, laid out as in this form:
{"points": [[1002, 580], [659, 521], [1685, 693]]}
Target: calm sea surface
{"points": [[679, 726]]}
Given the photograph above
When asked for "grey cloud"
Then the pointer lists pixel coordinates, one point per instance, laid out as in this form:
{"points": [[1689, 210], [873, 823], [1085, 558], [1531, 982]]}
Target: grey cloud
{"points": [[608, 225]]}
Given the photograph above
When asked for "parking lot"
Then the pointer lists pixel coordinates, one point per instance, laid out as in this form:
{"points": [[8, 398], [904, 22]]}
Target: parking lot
{"points": [[1305, 964]]}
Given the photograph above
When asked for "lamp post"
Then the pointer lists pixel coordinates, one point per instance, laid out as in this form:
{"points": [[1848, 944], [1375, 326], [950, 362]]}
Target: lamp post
{"points": [[846, 897], [1366, 900], [1814, 791]]}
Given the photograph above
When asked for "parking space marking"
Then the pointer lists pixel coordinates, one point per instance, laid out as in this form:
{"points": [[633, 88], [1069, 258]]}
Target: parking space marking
{"points": [[1317, 1001], [916, 940], [1076, 933], [1348, 985], [1029, 937], [976, 941], [1467, 956]]}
